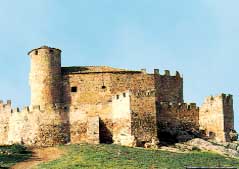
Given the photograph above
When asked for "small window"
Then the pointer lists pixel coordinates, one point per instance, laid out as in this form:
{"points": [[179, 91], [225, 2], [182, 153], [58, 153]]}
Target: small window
{"points": [[117, 96], [74, 89], [51, 51], [103, 87], [36, 52], [124, 94]]}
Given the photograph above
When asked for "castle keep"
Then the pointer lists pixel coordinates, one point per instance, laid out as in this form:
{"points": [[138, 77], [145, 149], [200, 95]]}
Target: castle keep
{"points": [[100, 104]]}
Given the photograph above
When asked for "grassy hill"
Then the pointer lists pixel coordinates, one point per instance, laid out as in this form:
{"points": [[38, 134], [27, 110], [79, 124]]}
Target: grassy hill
{"points": [[114, 156]]}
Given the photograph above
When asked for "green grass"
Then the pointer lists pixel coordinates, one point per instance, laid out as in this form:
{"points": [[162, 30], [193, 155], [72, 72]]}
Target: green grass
{"points": [[113, 156], [10, 155]]}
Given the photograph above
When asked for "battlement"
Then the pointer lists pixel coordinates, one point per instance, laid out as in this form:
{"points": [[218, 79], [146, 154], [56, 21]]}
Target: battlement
{"points": [[4, 105], [44, 47], [221, 97], [179, 106], [7, 108], [167, 73], [182, 115]]}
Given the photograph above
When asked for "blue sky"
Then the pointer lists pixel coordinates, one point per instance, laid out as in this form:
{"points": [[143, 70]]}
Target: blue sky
{"points": [[198, 38]]}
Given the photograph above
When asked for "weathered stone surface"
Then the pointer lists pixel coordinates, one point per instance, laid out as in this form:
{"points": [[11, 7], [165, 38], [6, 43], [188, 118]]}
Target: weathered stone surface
{"points": [[45, 76], [100, 104], [208, 146], [216, 117]]}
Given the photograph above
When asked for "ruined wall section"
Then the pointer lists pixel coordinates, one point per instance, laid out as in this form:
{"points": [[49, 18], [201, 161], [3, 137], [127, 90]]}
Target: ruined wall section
{"points": [[169, 88], [228, 115], [34, 126], [178, 115], [216, 117], [144, 116]]}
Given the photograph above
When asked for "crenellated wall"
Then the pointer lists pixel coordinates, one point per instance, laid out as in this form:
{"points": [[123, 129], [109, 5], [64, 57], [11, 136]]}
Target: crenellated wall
{"points": [[181, 115], [95, 86], [101, 104], [169, 88], [33, 126]]}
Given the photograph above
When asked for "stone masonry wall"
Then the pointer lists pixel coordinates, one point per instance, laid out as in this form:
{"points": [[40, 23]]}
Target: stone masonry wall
{"points": [[168, 88], [180, 115], [228, 115], [122, 129], [45, 76], [33, 126], [216, 117], [99, 87], [144, 112], [90, 90], [5, 113], [84, 124]]}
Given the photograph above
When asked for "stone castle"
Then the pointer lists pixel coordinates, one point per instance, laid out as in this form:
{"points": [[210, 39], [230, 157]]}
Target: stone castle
{"points": [[100, 104]]}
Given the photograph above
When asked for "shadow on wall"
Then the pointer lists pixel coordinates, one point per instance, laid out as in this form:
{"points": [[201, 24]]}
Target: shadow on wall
{"points": [[74, 69], [169, 134], [105, 133], [66, 102]]}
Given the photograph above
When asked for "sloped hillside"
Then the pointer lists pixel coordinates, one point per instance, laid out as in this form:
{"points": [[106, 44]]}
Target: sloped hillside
{"points": [[114, 156]]}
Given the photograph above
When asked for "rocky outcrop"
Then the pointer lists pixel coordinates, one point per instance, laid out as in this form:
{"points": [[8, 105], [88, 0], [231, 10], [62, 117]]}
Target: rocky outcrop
{"points": [[200, 144]]}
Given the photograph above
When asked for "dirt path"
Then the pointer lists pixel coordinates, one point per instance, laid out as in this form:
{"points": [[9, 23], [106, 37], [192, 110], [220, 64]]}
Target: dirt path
{"points": [[40, 155]]}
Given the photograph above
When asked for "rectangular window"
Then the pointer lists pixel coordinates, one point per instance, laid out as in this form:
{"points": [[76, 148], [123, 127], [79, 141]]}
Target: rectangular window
{"points": [[74, 89], [124, 94], [117, 96]]}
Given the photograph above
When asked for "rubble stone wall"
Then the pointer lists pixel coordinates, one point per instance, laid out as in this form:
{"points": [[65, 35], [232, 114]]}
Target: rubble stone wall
{"points": [[99, 87], [181, 115], [84, 124], [168, 88], [34, 126], [144, 120]]}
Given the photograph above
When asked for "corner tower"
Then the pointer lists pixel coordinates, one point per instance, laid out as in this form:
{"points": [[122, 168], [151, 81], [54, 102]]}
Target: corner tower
{"points": [[45, 76]]}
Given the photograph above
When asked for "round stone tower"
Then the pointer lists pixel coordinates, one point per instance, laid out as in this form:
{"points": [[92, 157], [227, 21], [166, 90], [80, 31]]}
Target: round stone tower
{"points": [[45, 76]]}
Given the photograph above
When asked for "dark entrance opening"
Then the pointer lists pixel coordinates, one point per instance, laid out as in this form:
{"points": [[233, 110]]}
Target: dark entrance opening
{"points": [[167, 138]]}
